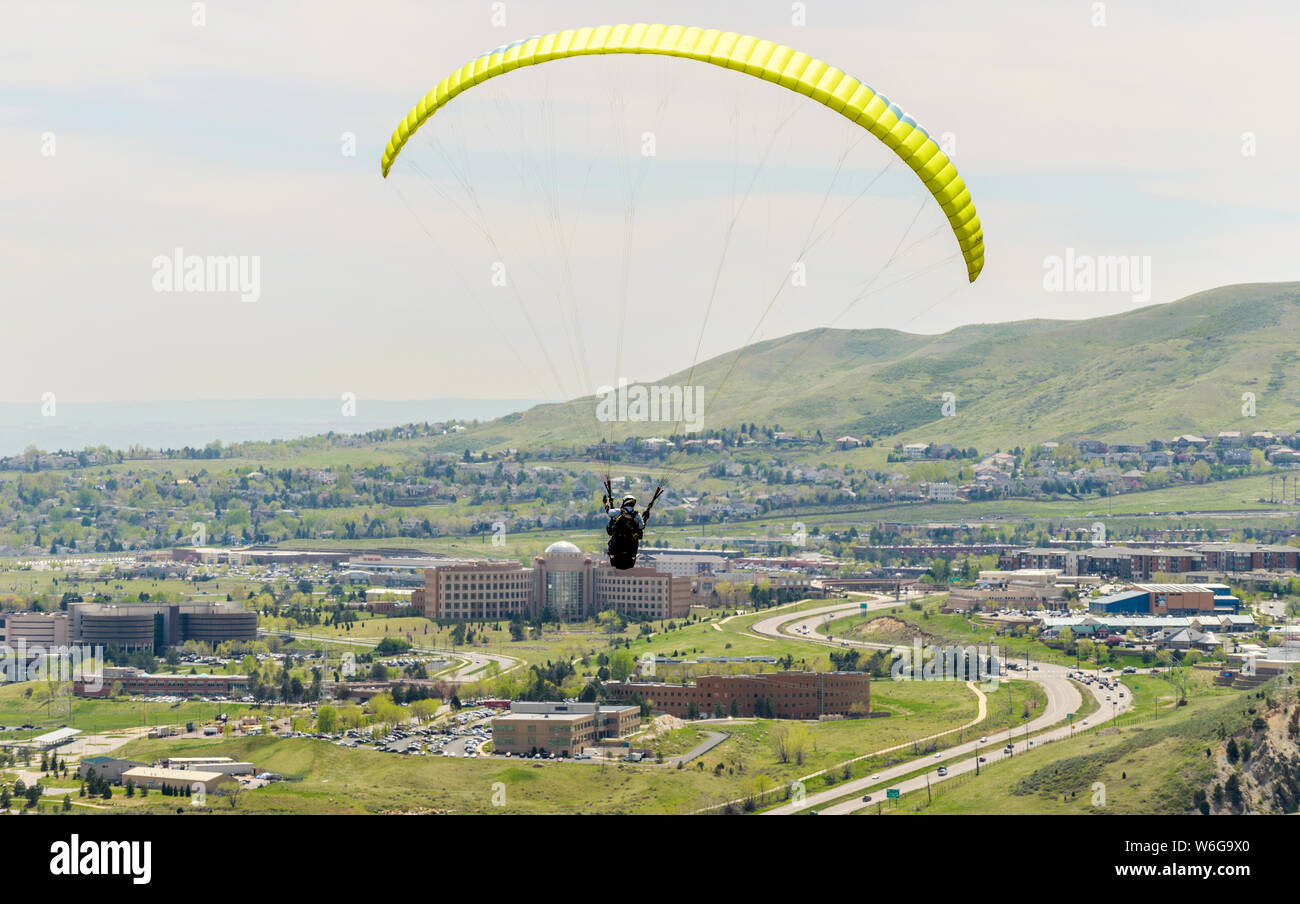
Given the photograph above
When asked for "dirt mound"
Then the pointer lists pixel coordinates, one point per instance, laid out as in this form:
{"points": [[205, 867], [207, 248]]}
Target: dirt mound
{"points": [[662, 725], [887, 629]]}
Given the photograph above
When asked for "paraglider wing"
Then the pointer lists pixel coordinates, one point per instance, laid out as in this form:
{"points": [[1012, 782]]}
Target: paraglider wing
{"points": [[772, 62]]}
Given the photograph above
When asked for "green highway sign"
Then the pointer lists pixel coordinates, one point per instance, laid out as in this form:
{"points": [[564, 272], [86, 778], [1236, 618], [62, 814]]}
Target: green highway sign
{"points": [[893, 794]]}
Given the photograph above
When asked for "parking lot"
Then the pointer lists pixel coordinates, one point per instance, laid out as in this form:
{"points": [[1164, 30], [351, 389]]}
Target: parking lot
{"points": [[464, 738]]}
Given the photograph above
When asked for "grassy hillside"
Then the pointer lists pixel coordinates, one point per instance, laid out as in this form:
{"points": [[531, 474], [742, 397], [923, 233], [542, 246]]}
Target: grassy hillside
{"points": [[1156, 371]]}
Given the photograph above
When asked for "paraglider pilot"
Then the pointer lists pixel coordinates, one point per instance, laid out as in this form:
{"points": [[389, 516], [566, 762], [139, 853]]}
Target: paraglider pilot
{"points": [[625, 527]]}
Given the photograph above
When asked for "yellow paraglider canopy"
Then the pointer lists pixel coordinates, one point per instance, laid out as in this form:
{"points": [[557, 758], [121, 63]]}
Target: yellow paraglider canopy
{"points": [[767, 60]]}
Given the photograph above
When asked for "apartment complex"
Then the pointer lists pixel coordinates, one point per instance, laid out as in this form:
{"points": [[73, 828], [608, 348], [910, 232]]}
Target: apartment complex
{"points": [[560, 728], [1141, 564], [788, 695], [564, 580]]}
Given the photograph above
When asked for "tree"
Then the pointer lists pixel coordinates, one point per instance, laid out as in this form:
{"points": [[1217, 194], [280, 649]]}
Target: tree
{"points": [[1179, 680], [327, 719], [1085, 648], [780, 741], [621, 665]]}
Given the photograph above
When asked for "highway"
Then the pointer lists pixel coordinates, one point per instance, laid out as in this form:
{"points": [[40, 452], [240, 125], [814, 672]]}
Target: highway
{"points": [[1063, 697]]}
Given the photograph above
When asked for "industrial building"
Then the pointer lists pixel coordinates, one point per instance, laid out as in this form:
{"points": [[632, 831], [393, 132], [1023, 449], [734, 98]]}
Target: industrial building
{"points": [[106, 767], [789, 695], [224, 764], [1169, 599], [154, 777]]}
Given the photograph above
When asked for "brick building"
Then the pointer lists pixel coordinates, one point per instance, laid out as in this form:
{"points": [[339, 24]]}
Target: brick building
{"points": [[790, 695], [160, 685]]}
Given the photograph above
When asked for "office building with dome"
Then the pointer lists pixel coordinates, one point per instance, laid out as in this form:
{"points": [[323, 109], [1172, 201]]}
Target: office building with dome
{"points": [[564, 582]]}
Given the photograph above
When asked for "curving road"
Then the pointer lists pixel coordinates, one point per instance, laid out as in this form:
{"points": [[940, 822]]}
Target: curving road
{"points": [[1063, 697], [471, 671]]}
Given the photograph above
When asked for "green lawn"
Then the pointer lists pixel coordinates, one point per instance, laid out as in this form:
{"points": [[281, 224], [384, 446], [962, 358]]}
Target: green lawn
{"points": [[342, 780], [96, 715]]}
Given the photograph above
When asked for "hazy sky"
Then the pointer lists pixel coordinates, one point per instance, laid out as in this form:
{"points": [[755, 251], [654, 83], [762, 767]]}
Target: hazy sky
{"points": [[127, 131]]}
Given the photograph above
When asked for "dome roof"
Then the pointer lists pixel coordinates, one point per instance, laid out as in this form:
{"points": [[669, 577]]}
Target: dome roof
{"points": [[562, 546]]}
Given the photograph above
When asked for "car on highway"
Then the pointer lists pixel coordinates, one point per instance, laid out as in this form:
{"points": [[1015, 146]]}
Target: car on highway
{"points": [[866, 798], [875, 777], [943, 770]]}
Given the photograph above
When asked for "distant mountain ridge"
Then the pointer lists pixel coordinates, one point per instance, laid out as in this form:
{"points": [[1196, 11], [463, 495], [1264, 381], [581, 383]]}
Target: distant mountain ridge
{"points": [[177, 424], [1158, 371]]}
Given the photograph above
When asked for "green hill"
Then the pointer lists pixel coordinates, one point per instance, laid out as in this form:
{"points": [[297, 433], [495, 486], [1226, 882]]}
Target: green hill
{"points": [[1162, 370]]}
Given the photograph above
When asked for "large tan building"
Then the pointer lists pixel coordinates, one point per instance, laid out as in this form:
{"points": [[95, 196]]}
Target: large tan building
{"points": [[564, 583], [154, 777], [642, 592], [37, 628], [476, 591], [560, 728], [156, 626]]}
